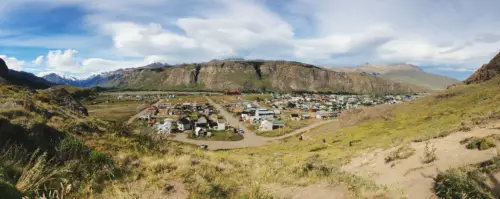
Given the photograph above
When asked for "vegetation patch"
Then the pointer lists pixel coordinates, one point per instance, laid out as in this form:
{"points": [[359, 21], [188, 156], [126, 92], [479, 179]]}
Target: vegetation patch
{"points": [[479, 143], [401, 153], [462, 183]]}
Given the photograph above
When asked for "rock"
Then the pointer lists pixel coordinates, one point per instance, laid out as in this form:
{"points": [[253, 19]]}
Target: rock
{"points": [[486, 72], [64, 99], [4, 70]]}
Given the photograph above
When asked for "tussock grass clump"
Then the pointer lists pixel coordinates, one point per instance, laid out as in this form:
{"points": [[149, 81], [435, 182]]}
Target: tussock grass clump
{"points": [[462, 183], [39, 171], [478, 143], [401, 153]]}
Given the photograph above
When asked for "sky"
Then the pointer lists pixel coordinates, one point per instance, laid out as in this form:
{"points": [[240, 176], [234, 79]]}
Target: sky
{"points": [[85, 37]]}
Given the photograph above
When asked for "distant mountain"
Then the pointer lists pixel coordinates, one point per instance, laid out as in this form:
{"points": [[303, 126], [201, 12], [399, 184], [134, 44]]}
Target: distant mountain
{"points": [[403, 73], [255, 75], [20, 78], [486, 72], [62, 80]]}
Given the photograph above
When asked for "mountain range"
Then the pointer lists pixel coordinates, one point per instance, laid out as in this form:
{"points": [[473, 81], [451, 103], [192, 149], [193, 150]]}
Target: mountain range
{"points": [[247, 75], [20, 78], [403, 73]]}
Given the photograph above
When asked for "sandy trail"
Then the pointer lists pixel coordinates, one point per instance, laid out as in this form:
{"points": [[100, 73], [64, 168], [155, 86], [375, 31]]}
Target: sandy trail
{"points": [[413, 177]]}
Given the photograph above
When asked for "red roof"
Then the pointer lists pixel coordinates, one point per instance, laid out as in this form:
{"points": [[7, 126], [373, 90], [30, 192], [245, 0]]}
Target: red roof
{"points": [[152, 108]]}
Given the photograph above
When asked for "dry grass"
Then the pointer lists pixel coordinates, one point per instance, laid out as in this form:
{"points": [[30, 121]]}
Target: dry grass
{"points": [[355, 116], [117, 110]]}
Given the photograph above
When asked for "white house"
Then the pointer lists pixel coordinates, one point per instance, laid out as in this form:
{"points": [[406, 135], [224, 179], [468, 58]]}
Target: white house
{"points": [[221, 125], [266, 126]]}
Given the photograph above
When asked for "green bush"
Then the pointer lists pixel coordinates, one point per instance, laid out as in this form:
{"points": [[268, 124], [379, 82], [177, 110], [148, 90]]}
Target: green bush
{"points": [[478, 143], [458, 183]]}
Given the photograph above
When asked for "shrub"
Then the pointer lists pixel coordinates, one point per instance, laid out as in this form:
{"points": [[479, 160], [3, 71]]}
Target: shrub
{"points": [[478, 143], [401, 153], [457, 183], [429, 153]]}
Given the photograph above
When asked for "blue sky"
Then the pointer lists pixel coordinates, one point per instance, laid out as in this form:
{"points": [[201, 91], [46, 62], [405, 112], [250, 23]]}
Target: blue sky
{"points": [[84, 37]]}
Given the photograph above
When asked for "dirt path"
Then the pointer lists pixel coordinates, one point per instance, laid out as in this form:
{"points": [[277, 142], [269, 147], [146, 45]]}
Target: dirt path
{"points": [[413, 177], [250, 138], [129, 121]]}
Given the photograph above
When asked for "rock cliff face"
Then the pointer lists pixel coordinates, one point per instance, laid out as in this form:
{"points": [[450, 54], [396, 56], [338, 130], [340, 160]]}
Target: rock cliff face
{"points": [[486, 72], [253, 76]]}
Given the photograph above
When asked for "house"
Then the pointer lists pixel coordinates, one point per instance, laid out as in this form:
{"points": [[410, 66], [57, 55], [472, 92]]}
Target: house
{"points": [[295, 116], [165, 128], [202, 121], [153, 109], [199, 132], [232, 92], [221, 125], [184, 124], [267, 125], [264, 113]]}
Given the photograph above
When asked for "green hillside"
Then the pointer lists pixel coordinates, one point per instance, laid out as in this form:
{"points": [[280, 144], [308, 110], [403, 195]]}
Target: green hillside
{"points": [[420, 78]]}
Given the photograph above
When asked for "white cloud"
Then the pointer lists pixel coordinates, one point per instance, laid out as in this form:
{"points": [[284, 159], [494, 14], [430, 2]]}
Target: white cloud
{"points": [[327, 32], [38, 60], [13, 63], [63, 61]]}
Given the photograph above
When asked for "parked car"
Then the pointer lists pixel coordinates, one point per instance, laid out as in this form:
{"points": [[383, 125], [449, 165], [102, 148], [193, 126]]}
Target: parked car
{"points": [[204, 146]]}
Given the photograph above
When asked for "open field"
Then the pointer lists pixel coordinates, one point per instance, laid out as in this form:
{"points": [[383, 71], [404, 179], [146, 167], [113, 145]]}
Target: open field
{"points": [[179, 99], [117, 110], [220, 136]]}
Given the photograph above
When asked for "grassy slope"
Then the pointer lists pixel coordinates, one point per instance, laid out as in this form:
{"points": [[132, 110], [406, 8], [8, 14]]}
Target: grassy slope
{"points": [[432, 116], [420, 78]]}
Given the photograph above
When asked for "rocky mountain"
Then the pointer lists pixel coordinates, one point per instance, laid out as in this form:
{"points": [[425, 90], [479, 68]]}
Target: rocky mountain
{"points": [[256, 75], [20, 78], [403, 73], [62, 80], [486, 72]]}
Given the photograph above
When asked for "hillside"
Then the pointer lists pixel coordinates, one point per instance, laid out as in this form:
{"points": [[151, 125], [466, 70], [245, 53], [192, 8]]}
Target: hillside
{"points": [[486, 72], [20, 78], [403, 73], [248, 76]]}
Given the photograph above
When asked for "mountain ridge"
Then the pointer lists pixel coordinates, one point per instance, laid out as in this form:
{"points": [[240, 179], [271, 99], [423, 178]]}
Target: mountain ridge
{"points": [[402, 73], [247, 75]]}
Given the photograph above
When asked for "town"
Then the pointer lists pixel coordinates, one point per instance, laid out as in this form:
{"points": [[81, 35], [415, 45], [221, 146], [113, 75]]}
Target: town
{"points": [[268, 115]]}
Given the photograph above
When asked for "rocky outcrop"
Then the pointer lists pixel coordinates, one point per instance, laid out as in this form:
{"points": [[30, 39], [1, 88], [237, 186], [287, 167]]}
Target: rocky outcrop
{"points": [[4, 70], [64, 99], [253, 76], [486, 72]]}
